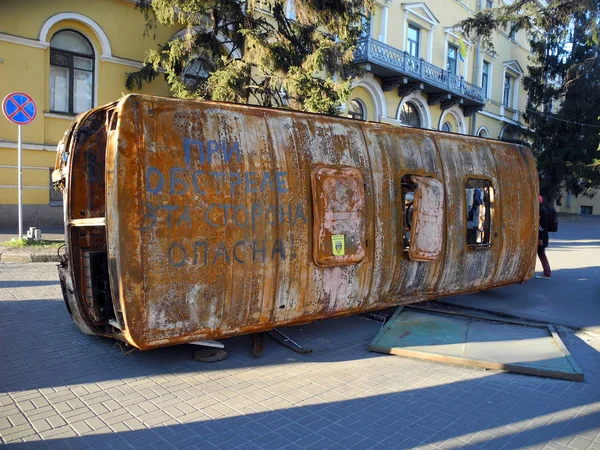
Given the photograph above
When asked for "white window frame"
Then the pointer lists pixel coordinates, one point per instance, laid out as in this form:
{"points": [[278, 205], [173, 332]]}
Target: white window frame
{"points": [[459, 119], [512, 69], [385, 6], [418, 42], [450, 32], [485, 130], [373, 88], [418, 99], [512, 32], [365, 112], [72, 68], [104, 53], [488, 87], [456, 58], [419, 15]]}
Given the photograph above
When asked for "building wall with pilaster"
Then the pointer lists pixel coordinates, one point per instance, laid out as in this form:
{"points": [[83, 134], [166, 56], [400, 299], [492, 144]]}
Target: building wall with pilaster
{"points": [[115, 30], [437, 21]]}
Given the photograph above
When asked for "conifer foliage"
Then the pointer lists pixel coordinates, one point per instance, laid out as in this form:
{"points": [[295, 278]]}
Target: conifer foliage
{"points": [[562, 84], [296, 54]]}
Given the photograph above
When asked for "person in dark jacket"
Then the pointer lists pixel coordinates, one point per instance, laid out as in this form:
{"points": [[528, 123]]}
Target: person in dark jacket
{"points": [[543, 241]]}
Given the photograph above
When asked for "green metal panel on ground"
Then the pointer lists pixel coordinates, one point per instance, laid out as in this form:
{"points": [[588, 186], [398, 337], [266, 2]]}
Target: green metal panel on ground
{"points": [[475, 340]]}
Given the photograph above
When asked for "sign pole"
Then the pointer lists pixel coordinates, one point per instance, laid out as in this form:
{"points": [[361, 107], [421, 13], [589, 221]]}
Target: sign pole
{"points": [[20, 109], [20, 163]]}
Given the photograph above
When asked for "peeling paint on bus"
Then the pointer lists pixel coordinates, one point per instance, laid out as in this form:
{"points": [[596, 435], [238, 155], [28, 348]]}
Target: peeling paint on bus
{"points": [[190, 220]]}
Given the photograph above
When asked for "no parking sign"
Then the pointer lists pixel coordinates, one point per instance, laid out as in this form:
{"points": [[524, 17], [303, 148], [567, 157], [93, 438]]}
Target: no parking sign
{"points": [[20, 109]]}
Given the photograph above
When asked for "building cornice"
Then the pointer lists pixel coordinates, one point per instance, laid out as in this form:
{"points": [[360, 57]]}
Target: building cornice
{"points": [[514, 66], [59, 116], [25, 167], [501, 118], [11, 186], [426, 14], [25, 146], [451, 31], [23, 41], [98, 31], [19, 40], [122, 61]]}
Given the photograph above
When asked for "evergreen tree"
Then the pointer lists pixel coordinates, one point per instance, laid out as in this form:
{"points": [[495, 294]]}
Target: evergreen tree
{"points": [[562, 84], [563, 111], [254, 52]]}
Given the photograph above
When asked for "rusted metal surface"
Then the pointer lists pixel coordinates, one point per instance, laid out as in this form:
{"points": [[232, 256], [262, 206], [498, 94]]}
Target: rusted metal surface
{"points": [[427, 226], [339, 216], [225, 219]]}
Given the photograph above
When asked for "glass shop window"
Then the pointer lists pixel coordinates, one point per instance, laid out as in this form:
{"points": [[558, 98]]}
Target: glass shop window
{"points": [[479, 198], [423, 217]]}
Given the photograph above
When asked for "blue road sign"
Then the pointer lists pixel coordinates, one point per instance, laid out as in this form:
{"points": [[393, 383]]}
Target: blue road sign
{"points": [[19, 108]]}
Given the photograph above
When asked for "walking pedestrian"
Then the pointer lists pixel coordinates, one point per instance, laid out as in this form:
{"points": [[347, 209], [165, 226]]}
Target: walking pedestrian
{"points": [[543, 241]]}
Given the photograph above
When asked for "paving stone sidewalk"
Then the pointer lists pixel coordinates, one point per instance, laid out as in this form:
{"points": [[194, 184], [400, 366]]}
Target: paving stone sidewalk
{"points": [[62, 389]]}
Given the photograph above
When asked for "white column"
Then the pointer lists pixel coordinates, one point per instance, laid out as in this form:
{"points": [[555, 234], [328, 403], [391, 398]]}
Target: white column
{"points": [[405, 30], [515, 105], [466, 63], [445, 61], [430, 44], [384, 22], [490, 78], [502, 92]]}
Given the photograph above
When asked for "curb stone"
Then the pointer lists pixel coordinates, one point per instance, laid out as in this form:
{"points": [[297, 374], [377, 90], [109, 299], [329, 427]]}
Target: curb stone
{"points": [[25, 258]]}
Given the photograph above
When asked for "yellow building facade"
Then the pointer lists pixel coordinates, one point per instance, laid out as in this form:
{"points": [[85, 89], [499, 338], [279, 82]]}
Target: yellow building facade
{"points": [[421, 71], [68, 56], [72, 55], [579, 205]]}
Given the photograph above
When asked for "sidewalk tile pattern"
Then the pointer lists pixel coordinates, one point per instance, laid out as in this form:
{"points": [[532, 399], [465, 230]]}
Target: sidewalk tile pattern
{"points": [[62, 389]]}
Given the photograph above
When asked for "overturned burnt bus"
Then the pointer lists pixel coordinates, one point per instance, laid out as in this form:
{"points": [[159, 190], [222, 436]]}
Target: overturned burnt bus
{"points": [[190, 220]]}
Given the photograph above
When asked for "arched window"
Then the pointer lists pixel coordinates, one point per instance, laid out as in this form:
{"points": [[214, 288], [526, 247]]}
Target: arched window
{"points": [[356, 110], [409, 115], [71, 73], [196, 72], [483, 132], [447, 127]]}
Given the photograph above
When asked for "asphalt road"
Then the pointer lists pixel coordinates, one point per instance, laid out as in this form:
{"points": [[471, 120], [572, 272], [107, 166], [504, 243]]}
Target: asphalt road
{"points": [[571, 298]]}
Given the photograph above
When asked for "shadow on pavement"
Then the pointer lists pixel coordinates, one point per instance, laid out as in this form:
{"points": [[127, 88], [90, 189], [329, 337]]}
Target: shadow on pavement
{"points": [[34, 328], [569, 299], [26, 284], [564, 243], [42, 348], [404, 419]]}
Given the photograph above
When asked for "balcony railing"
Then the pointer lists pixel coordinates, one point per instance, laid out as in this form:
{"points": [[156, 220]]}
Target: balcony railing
{"points": [[393, 62]]}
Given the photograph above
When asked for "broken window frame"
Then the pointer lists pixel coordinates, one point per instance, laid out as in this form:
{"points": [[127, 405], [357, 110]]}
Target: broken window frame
{"points": [[484, 233], [409, 187], [55, 197]]}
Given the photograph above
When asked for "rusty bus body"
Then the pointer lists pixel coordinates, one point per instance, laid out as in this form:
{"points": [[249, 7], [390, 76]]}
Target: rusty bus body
{"points": [[189, 220]]}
